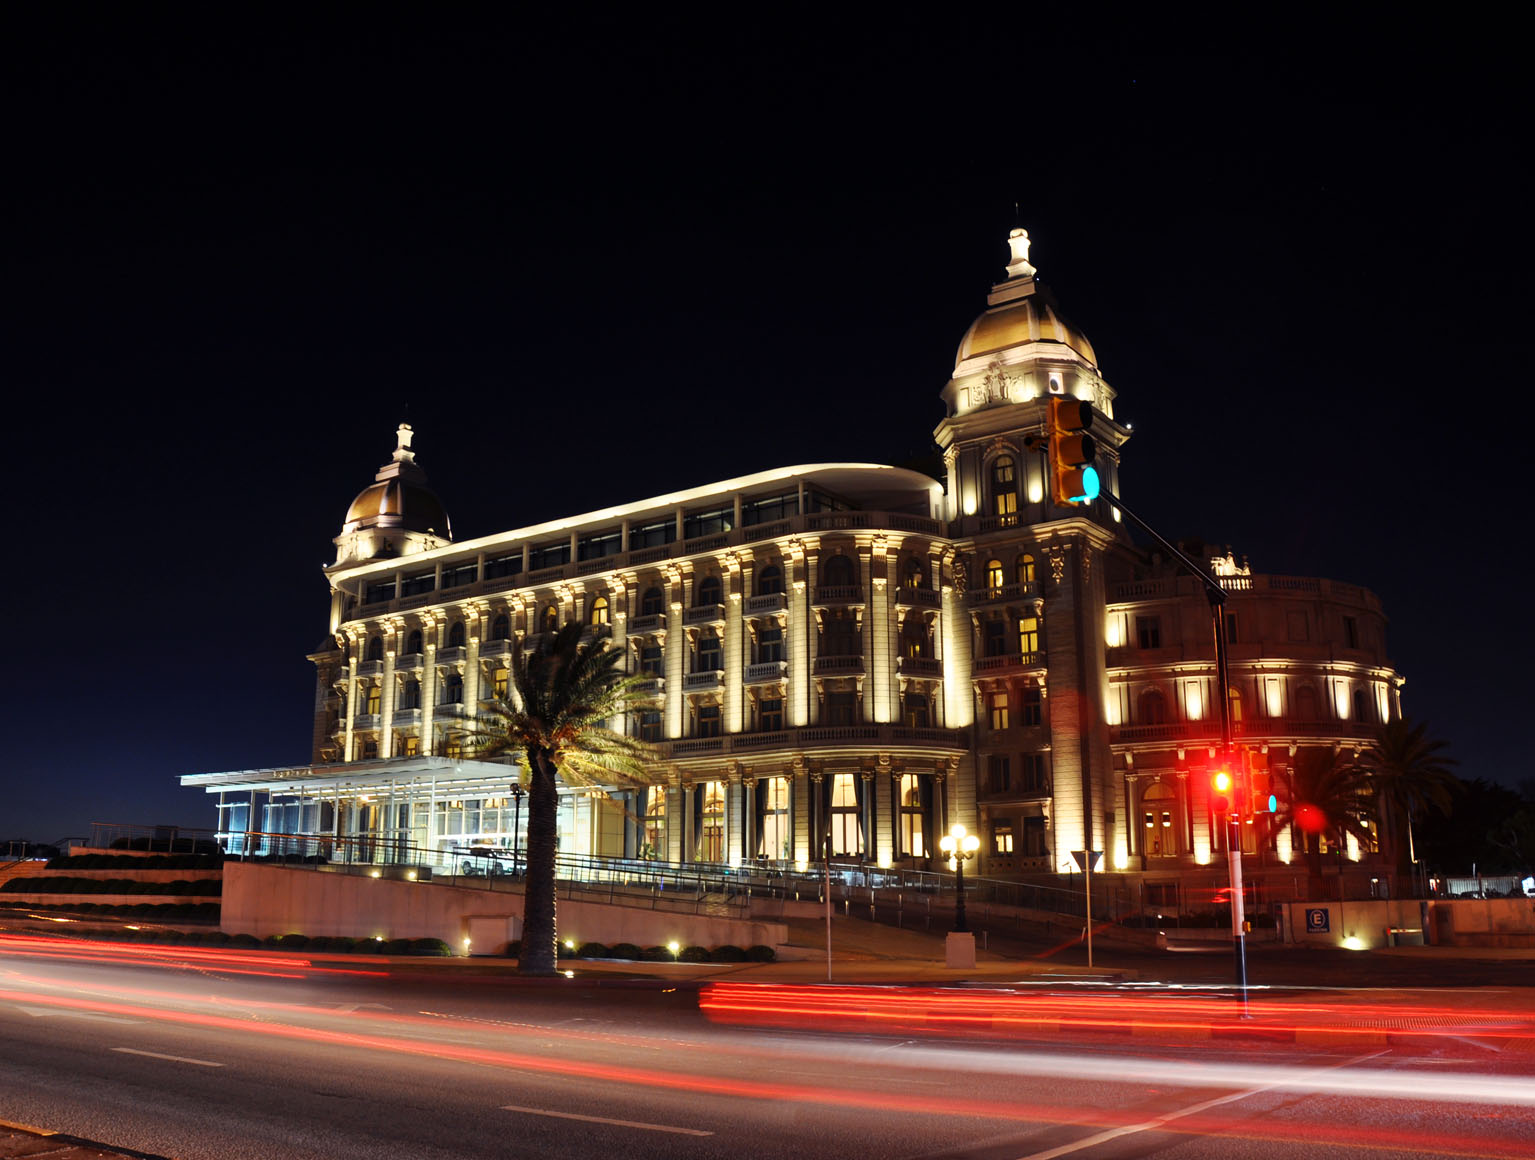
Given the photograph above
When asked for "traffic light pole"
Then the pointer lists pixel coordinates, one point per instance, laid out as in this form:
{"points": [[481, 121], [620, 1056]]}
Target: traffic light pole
{"points": [[1216, 595]]}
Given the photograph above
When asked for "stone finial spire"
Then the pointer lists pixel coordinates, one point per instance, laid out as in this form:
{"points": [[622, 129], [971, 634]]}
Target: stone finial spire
{"points": [[402, 452], [1018, 242]]}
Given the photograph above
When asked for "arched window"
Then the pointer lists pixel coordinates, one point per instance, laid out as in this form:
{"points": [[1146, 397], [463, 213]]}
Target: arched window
{"points": [[710, 591], [653, 602], [838, 572], [712, 836], [413, 643], [770, 580], [655, 822], [501, 628], [456, 635], [1153, 708], [994, 577], [1235, 701], [914, 575], [1004, 488], [1026, 569], [550, 621], [774, 832], [599, 612], [710, 656], [375, 649]]}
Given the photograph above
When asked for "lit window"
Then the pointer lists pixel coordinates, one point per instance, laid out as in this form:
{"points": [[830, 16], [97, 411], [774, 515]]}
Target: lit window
{"points": [[1025, 569], [996, 708], [1004, 488], [499, 681], [1002, 838], [599, 612], [846, 833], [410, 746], [909, 791], [375, 695], [551, 618], [1028, 635], [994, 580]]}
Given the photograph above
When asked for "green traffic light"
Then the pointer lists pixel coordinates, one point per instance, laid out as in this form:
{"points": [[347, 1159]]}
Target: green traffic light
{"points": [[1090, 485]]}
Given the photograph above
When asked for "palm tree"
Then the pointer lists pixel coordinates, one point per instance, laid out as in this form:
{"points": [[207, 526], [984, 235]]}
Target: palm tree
{"points": [[1327, 794], [1412, 775], [564, 693]]}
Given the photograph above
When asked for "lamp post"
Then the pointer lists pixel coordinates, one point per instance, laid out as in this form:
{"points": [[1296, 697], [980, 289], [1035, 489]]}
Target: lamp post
{"points": [[516, 794], [959, 845]]}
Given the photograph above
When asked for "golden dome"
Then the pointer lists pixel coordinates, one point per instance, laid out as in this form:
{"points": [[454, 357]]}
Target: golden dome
{"points": [[399, 498], [1024, 320]]}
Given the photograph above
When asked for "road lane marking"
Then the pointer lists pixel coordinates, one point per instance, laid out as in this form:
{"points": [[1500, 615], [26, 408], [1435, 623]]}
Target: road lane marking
{"points": [[44, 1012], [172, 1058], [1162, 1121], [605, 1120]]}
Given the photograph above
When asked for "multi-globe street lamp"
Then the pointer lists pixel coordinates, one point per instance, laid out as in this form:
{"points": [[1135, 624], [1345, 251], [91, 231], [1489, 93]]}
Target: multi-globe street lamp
{"points": [[959, 846]]}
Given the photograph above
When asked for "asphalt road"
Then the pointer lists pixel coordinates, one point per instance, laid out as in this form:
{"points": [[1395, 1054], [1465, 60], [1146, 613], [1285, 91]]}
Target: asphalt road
{"points": [[206, 1055]]}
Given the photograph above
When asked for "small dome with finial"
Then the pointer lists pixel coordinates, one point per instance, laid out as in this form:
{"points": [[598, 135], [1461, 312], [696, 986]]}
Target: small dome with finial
{"points": [[400, 499]]}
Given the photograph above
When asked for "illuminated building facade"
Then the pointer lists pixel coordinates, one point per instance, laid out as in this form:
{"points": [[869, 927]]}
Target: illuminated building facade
{"points": [[849, 654]]}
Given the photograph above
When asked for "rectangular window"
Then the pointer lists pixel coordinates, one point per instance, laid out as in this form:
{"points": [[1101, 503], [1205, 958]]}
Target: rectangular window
{"points": [[1350, 632], [766, 511], [1002, 838], [380, 591], [777, 836], [650, 660], [375, 695], [1148, 632], [846, 833], [411, 746], [996, 709], [600, 545], [549, 555], [1035, 779], [1231, 628], [419, 583], [841, 708], [708, 523], [509, 565], [650, 725], [457, 575], [1028, 635], [999, 774], [498, 683], [994, 642], [708, 720], [770, 643], [653, 535], [770, 715], [1031, 708]]}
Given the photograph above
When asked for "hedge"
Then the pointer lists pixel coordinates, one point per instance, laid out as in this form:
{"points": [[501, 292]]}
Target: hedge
{"points": [[204, 887]]}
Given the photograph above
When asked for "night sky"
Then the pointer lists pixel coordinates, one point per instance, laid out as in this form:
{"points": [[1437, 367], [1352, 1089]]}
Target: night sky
{"points": [[603, 259]]}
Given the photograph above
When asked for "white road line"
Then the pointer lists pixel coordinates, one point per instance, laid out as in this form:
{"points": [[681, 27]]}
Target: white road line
{"points": [[605, 1120], [172, 1058], [1161, 1121], [60, 1013]]}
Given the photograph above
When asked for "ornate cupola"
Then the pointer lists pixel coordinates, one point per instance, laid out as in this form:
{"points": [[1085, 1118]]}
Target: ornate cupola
{"points": [[1015, 356], [397, 515]]}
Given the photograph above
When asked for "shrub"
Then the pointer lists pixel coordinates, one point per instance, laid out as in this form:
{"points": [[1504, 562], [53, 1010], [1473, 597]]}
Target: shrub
{"points": [[244, 940], [760, 953], [625, 951], [289, 942], [593, 950], [215, 938], [430, 946], [694, 955], [396, 946], [564, 952], [728, 954], [368, 946], [655, 955]]}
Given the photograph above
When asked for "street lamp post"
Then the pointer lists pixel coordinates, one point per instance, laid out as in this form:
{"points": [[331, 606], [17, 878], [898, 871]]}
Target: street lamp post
{"points": [[516, 794], [959, 845]]}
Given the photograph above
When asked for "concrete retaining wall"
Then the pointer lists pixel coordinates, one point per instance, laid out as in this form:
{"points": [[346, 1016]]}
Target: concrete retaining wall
{"points": [[267, 900], [1463, 922]]}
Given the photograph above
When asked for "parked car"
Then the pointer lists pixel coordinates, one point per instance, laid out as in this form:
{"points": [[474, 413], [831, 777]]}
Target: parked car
{"points": [[483, 861]]}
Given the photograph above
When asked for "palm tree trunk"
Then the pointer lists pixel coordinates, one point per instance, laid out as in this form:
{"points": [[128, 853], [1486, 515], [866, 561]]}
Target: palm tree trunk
{"points": [[540, 946]]}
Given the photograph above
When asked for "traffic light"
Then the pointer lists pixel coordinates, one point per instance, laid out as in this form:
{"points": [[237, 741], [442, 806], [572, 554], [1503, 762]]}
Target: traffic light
{"points": [[1260, 786], [1222, 790], [1073, 477]]}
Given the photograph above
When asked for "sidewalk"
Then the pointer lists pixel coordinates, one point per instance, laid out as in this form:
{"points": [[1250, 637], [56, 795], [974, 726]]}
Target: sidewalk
{"points": [[23, 1140]]}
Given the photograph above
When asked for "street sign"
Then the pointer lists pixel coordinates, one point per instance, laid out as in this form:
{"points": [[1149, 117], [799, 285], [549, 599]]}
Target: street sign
{"points": [[1318, 920], [1080, 857]]}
